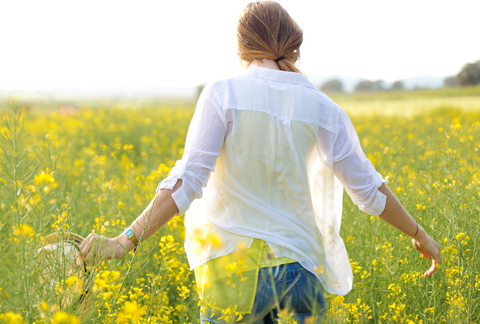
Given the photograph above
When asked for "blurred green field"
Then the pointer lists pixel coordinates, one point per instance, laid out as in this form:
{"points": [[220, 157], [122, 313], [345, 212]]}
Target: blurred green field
{"points": [[94, 166], [409, 103]]}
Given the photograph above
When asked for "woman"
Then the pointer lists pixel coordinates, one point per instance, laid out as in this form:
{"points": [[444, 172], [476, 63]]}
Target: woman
{"points": [[265, 235]]}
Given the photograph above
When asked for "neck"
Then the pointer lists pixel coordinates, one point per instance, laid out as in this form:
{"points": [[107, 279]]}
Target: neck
{"points": [[265, 63]]}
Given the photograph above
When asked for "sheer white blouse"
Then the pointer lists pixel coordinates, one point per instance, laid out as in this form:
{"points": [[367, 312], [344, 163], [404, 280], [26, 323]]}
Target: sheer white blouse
{"points": [[267, 156]]}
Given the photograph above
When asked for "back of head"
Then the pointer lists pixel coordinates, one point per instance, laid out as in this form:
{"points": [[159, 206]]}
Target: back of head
{"points": [[266, 31]]}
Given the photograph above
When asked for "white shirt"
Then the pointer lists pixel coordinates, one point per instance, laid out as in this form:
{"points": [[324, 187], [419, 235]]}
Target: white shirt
{"points": [[272, 154]]}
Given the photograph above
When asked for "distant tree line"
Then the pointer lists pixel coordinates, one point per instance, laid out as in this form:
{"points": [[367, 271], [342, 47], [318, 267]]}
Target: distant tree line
{"points": [[468, 75], [332, 86], [370, 86], [336, 86]]}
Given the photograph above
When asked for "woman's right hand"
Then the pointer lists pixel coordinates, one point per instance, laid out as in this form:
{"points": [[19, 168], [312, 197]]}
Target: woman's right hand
{"points": [[96, 248], [424, 244]]}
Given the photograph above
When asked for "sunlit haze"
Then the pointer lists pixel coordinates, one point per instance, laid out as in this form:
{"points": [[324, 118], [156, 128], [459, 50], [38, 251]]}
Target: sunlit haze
{"points": [[50, 44]]}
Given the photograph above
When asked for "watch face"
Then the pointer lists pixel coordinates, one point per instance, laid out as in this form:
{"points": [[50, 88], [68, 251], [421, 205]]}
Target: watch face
{"points": [[129, 232]]}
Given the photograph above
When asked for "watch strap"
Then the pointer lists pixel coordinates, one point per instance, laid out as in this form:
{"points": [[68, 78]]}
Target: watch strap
{"points": [[131, 236]]}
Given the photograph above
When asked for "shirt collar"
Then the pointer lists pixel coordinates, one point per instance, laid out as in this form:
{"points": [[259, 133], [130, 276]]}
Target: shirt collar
{"points": [[280, 76]]}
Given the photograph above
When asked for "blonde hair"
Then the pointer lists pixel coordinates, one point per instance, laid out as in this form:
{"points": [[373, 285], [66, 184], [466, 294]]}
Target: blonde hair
{"points": [[266, 31]]}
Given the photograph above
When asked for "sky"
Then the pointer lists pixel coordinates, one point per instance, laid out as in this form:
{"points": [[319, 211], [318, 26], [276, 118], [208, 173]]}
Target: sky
{"points": [[83, 44]]}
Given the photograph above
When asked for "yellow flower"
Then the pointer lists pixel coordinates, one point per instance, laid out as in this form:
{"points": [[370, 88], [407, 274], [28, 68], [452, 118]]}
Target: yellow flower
{"points": [[184, 291], [70, 281], [122, 318], [232, 267], [44, 178], [12, 318], [101, 284], [24, 230], [430, 310], [44, 306], [133, 310], [61, 317]]}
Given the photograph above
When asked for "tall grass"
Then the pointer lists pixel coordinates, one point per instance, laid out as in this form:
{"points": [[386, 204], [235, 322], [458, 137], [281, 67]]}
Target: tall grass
{"points": [[94, 170]]}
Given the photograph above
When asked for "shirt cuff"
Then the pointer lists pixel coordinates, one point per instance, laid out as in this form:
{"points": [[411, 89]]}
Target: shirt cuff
{"points": [[179, 197], [181, 200], [167, 183], [378, 205]]}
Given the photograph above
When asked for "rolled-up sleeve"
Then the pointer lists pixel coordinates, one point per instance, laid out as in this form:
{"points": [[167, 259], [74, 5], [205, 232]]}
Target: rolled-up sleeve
{"points": [[356, 173], [205, 138]]}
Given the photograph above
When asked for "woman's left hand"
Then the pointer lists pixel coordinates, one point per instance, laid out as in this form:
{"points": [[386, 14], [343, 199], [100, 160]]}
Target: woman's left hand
{"points": [[426, 245], [96, 247]]}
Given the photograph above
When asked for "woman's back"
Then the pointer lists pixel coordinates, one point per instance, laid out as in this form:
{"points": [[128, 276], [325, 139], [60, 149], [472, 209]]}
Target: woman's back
{"points": [[269, 137], [273, 120]]}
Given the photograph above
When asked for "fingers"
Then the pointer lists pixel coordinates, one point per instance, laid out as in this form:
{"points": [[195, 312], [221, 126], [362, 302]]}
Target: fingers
{"points": [[93, 257], [436, 260], [90, 248], [86, 246], [433, 249], [432, 269]]}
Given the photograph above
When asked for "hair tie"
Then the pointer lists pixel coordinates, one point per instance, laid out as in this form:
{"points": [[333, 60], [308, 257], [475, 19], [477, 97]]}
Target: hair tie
{"points": [[280, 58]]}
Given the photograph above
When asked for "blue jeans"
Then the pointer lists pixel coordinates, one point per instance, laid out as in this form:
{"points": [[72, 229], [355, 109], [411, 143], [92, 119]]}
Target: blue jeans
{"points": [[298, 291]]}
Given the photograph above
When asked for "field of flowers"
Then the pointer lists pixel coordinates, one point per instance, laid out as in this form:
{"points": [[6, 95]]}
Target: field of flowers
{"points": [[88, 168]]}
